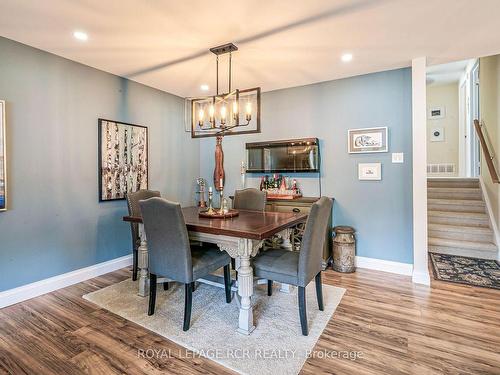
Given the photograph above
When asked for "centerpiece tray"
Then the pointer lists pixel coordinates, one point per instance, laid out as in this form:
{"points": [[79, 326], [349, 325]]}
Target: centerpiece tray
{"points": [[217, 214]]}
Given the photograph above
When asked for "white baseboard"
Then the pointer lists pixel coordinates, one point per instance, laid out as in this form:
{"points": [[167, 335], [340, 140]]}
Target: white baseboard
{"points": [[421, 278], [22, 293], [384, 265]]}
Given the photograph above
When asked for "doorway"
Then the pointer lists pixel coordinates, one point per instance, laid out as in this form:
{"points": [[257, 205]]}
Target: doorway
{"points": [[475, 151]]}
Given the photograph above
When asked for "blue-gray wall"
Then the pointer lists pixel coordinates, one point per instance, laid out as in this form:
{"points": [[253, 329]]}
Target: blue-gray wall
{"points": [[380, 211], [55, 223]]}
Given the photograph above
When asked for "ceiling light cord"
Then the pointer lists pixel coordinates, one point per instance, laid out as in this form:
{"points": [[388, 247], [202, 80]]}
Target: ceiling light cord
{"points": [[230, 58], [217, 75]]}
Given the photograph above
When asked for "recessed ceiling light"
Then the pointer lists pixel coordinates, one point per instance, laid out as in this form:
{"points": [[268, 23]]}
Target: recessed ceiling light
{"points": [[346, 57], [204, 87], [81, 35]]}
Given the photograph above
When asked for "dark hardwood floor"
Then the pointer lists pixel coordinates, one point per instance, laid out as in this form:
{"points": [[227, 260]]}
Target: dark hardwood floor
{"points": [[397, 327]]}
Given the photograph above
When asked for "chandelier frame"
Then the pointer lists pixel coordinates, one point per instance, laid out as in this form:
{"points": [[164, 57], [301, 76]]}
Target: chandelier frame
{"points": [[221, 129]]}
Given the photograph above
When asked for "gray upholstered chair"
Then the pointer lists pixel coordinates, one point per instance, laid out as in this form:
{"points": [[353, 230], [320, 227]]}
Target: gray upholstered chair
{"points": [[172, 256], [135, 210], [299, 268], [249, 199]]}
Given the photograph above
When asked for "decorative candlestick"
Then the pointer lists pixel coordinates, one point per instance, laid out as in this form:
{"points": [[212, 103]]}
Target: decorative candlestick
{"points": [[210, 199], [221, 200], [243, 172], [201, 182]]}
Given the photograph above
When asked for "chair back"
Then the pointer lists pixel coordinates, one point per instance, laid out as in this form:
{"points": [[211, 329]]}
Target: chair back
{"points": [[168, 241], [249, 199], [135, 210], [313, 240]]}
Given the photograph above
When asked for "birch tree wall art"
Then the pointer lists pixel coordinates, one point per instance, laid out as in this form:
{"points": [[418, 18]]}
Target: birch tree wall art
{"points": [[123, 159]]}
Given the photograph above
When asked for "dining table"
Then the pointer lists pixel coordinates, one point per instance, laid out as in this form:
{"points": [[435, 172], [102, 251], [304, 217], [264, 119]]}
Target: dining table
{"points": [[241, 237]]}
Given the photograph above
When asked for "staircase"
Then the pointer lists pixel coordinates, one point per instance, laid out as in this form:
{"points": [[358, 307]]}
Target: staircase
{"points": [[458, 222]]}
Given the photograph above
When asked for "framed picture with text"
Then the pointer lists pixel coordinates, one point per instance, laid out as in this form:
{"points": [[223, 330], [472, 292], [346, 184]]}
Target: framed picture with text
{"points": [[367, 140], [370, 171]]}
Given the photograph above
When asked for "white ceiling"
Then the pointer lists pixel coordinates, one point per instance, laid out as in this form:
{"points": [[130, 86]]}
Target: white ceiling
{"points": [[283, 43], [443, 74]]}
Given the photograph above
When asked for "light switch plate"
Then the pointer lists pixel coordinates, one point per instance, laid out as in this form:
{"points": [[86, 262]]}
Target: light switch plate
{"points": [[398, 157]]}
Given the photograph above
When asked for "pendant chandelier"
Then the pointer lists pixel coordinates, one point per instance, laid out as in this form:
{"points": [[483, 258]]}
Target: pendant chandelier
{"points": [[233, 112]]}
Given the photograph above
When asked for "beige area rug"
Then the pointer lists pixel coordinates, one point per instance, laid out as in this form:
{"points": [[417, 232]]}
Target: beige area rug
{"points": [[275, 347]]}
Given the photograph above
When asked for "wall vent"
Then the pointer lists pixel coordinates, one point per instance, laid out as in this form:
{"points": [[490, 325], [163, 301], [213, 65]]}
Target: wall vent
{"points": [[442, 168]]}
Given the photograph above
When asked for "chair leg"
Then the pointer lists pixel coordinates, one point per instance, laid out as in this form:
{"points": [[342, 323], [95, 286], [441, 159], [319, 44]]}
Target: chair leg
{"points": [[193, 286], [319, 291], [188, 302], [227, 282], [134, 266], [302, 310], [152, 294], [165, 285], [269, 287]]}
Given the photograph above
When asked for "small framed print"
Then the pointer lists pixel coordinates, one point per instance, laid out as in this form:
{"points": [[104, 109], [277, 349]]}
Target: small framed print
{"points": [[437, 134], [436, 112], [367, 140], [370, 171]]}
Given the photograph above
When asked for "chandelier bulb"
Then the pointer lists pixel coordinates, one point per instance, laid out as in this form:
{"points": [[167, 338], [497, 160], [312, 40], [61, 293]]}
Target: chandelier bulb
{"points": [[201, 115], [249, 111], [211, 112]]}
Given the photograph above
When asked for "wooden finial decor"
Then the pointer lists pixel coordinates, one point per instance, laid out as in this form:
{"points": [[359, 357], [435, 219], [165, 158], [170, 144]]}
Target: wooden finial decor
{"points": [[219, 176]]}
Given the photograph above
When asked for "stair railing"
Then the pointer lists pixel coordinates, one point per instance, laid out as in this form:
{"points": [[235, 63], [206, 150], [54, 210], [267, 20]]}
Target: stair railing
{"points": [[489, 155]]}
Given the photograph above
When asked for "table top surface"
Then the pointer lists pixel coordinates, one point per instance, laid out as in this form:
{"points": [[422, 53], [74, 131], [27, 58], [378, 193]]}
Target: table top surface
{"points": [[257, 225]]}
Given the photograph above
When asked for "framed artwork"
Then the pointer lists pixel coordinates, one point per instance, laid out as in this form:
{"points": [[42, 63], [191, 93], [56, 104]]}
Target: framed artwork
{"points": [[370, 171], [367, 140], [436, 112], [235, 105], [3, 159], [123, 159], [437, 134]]}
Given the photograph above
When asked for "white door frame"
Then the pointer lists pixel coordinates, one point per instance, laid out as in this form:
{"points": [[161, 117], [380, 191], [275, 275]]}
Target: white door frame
{"points": [[475, 152], [462, 130], [419, 149]]}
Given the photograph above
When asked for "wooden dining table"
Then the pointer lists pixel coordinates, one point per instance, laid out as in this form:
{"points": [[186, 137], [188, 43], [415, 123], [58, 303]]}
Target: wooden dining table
{"points": [[241, 237]]}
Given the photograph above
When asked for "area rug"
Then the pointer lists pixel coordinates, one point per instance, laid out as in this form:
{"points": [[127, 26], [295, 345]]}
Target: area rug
{"points": [[275, 347], [464, 270]]}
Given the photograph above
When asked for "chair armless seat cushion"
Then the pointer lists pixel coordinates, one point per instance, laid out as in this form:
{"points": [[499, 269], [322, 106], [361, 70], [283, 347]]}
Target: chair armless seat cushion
{"points": [[278, 265], [207, 259]]}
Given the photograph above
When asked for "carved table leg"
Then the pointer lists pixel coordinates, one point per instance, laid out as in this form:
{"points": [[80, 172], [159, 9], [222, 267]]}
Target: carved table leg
{"points": [[245, 289], [286, 235], [142, 263], [242, 249]]}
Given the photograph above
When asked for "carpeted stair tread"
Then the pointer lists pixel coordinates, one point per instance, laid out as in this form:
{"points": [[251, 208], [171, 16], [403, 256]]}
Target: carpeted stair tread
{"points": [[476, 245]]}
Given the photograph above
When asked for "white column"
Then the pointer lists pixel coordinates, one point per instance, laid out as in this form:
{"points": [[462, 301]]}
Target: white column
{"points": [[142, 263], [419, 142]]}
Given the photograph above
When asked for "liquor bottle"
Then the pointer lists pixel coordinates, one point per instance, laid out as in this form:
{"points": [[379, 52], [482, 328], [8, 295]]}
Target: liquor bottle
{"points": [[266, 182], [262, 183], [294, 186]]}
